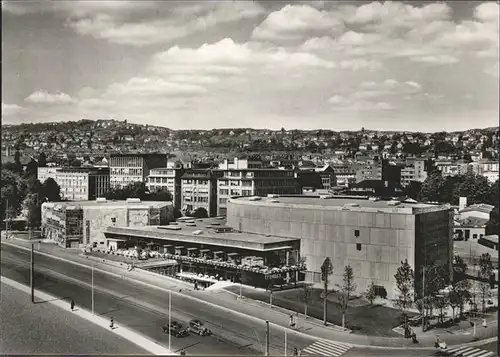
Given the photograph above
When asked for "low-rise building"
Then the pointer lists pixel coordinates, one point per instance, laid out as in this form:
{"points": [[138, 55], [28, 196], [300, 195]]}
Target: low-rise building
{"points": [[71, 224], [78, 183]]}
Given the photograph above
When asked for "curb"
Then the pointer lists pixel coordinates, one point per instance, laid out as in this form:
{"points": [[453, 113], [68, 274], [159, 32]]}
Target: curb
{"points": [[229, 310], [138, 339]]}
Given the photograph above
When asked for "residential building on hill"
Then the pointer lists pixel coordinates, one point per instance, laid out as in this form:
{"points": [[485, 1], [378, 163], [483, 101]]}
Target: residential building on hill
{"points": [[129, 168], [246, 163], [77, 183]]}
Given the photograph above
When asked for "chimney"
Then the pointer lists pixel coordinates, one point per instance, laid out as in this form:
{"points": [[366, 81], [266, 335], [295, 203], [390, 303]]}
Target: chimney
{"points": [[462, 203]]}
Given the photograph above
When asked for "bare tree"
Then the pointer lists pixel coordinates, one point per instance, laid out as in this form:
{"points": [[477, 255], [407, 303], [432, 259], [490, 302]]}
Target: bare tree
{"points": [[345, 290], [306, 295], [326, 271], [485, 272]]}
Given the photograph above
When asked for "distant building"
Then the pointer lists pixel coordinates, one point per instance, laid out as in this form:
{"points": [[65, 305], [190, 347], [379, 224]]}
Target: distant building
{"points": [[129, 168], [167, 178], [246, 163], [199, 190], [70, 224], [345, 174], [254, 182], [413, 171], [78, 183], [480, 210]]}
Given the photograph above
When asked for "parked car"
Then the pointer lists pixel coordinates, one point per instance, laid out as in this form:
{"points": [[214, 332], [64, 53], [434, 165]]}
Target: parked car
{"points": [[197, 326], [176, 329]]}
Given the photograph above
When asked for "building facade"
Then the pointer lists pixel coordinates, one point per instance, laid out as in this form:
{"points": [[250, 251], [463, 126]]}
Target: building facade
{"points": [[254, 182], [78, 183], [71, 224], [167, 178], [199, 190], [129, 168], [373, 237]]}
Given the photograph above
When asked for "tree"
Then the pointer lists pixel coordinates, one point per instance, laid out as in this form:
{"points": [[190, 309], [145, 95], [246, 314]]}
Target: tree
{"points": [[493, 225], [459, 268], [435, 280], [345, 290], [431, 188], [18, 167], [413, 189], [31, 169], [51, 190], [462, 289], [12, 194], [326, 271], [42, 160], [306, 296], [441, 302], [370, 293], [33, 209], [199, 212], [485, 272], [160, 194], [405, 284]]}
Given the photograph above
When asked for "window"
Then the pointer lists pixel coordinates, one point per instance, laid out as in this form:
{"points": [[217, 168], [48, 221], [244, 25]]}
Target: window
{"points": [[474, 236], [356, 234], [113, 219], [358, 246]]}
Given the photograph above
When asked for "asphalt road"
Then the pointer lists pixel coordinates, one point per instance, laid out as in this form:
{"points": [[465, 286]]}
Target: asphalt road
{"points": [[146, 310], [28, 329]]}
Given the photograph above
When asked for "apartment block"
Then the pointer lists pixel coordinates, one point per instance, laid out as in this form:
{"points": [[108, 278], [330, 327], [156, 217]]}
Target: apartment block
{"points": [[414, 170], [254, 182], [77, 183], [129, 168]]}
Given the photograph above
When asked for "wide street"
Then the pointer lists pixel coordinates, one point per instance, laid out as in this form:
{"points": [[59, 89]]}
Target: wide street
{"points": [[146, 310], [42, 328]]}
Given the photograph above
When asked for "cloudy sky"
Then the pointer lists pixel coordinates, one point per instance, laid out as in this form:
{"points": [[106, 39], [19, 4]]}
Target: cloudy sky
{"points": [[303, 64]]}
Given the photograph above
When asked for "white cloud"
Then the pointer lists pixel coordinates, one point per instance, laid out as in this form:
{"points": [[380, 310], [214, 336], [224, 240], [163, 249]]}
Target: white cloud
{"points": [[343, 103], [487, 12], [438, 59], [227, 54], [161, 30], [358, 64], [296, 22], [10, 109], [44, 97], [152, 87]]}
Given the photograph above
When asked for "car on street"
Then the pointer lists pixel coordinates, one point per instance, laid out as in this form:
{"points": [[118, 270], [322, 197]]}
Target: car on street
{"points": [[176, 329], [196, 326]]}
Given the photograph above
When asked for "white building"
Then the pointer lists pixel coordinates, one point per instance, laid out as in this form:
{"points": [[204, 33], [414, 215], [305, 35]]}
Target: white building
{"points": [[77, 183], [167, 178], [130, 168]]}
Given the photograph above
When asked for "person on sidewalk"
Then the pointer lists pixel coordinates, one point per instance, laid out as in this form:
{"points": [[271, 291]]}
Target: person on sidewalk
{"points": [[295, 352], [292, 322], [484, 323], [112, 323], [72, 305]]}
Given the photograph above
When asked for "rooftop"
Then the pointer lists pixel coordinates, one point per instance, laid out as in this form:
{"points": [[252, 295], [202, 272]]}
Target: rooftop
{"points": [[113, 203], [204, 234], [341, 202]]}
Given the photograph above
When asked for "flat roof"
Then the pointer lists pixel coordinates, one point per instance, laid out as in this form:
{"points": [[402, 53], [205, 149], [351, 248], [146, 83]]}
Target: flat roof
{"points": [[102, 204], [333, 202], [185, 234]]}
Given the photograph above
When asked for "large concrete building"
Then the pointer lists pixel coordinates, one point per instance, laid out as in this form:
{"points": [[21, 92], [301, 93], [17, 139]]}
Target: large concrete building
{"points": [[70, 224], [129, 168], [77, 183], [199, 190], [371, 236]]}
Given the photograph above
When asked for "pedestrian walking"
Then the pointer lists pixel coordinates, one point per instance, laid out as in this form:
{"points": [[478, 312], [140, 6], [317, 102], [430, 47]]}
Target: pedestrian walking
{"points": [[72, 305], [300, 353], [295, 352], [112, 323], [292, 322], [484, 323]]}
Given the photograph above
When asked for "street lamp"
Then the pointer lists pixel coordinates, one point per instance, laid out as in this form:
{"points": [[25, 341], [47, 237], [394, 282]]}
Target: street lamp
{"points": [[92, 288], [169, 319]]}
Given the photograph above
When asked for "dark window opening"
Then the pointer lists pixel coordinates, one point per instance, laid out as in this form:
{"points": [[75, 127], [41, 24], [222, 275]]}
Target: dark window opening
{"points": [[358, 246], [113, 220], [356, 233]]}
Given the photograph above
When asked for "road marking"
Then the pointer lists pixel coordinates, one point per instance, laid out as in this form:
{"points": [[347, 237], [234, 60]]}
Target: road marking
{"points": [[323, 348], [468, 352]]}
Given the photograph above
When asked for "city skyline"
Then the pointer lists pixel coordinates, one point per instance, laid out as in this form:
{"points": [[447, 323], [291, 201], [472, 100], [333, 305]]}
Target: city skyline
{"points": [[305, 65]]}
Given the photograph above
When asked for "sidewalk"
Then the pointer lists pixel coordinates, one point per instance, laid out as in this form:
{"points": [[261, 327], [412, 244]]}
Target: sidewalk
{"points": [[121, 331], [262, 311]]}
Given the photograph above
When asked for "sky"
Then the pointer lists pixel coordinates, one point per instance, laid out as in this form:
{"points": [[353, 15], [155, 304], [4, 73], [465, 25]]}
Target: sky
{"points": [[339, 65]]}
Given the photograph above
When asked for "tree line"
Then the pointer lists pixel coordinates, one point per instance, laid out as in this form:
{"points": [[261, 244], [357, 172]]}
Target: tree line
{"points": [[413, 293]]}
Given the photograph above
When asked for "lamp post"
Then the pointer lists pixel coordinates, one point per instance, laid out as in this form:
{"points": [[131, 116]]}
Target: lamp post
{"points": [[169, 319], [267, 338], [285, 343], [92, 288], [32, 273]]}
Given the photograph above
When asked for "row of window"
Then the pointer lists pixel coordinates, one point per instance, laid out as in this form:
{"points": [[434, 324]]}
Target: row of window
{"points": [[195, 199], [194, 182], [160, 180]]}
